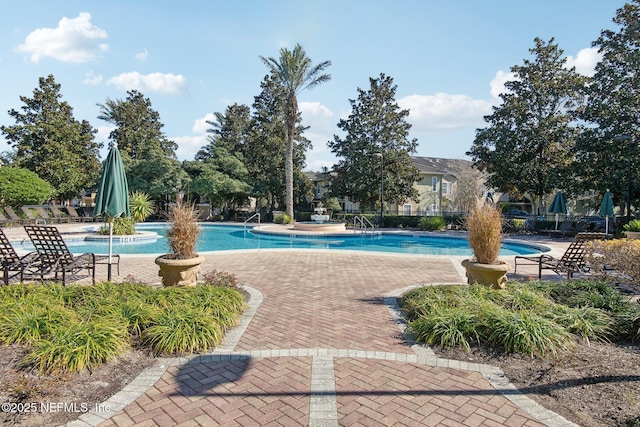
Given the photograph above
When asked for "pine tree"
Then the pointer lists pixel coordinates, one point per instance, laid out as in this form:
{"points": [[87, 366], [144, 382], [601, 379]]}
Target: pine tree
{"points": [[49, 141]]}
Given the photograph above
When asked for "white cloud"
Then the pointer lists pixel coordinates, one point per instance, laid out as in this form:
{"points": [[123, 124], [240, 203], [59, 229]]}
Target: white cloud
{"points": [[142, 55], [322, 124], [73, 40], [188, 146], [92, 79], [497, 83], [443, 111], [201, 125], [585, 62], [170, 84]]}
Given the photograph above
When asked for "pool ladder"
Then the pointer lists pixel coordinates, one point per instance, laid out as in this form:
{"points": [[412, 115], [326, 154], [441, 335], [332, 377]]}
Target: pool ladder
{"points": [[361, 222], [257, 214]]}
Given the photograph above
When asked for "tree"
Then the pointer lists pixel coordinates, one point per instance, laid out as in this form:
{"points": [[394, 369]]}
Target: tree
{"points": [[158, 176], [50, 142], [296, 73], [528, 145], [138, 130], [613, 110], [148, 156], [222, 178], [375, 126], [469, 186], [265, 149], [22, 187], [230, 130]]}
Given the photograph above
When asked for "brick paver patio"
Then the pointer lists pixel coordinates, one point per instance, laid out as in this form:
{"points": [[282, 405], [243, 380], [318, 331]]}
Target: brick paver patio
{"points": [[321, 345]]}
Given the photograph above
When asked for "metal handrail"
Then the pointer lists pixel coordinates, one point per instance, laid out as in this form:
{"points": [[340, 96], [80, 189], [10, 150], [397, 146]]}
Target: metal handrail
{"points": [[364, 223], [257, 214]]}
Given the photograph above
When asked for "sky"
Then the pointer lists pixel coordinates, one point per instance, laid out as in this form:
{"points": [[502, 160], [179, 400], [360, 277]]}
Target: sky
{"points": [[449, 59]]}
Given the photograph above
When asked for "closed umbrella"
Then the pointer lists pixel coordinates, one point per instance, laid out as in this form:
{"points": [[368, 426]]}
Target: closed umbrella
{"points": [[558, 206], [606, 209], [112, 200]]}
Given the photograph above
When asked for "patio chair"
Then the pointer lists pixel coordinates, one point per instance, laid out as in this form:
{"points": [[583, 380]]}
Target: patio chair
{"points": [[13, 216], [572, 261], [55, 257], [73, 213], [568, 229], [42, 215], [59, 215], [29, 214], [12, 263], [4, 221]]}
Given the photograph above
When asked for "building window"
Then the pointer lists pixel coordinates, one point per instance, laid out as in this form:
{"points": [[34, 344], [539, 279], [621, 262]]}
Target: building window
{"points": [[434, 184], [406, 209], [446, 187], [434, 208]]}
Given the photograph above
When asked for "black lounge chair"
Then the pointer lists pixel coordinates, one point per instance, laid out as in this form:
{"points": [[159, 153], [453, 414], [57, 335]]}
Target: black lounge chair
{"points": [[55, 257], [12, 263], [572, 261]]}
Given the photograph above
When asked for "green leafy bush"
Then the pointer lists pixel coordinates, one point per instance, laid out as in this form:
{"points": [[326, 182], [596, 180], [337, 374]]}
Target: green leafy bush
{"points": [[141, 206], [20, 187], [282, 218], [121, 227], [432, 223]]}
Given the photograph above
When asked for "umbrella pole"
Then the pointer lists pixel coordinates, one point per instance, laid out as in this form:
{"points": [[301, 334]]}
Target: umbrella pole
{"points": [[110, 249], [606, 224], [556, 221]]}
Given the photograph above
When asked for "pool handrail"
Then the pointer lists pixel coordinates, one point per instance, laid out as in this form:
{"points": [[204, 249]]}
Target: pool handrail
{"points": [[257, 214], [364, 223]]}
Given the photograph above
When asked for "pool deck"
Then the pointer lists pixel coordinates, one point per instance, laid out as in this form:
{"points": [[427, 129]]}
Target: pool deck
{"points": [[321, 345]]}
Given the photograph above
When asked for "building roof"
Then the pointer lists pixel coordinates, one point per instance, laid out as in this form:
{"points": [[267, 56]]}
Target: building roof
{"points": [[439, 166]]}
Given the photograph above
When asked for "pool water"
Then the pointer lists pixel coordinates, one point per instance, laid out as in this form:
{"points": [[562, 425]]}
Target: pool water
{"points": [[224, 238]]}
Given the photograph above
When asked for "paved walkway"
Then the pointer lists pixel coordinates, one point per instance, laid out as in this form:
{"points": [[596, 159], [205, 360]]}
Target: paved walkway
{"points": [[321, 345]]}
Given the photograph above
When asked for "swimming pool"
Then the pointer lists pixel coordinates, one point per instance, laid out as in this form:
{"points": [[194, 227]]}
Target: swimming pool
{"points": [[227, 237]]}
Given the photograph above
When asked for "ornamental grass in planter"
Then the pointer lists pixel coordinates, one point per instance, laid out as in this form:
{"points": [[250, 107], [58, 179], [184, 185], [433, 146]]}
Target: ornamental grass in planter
{"points": [[182, 265], [484, 227]]}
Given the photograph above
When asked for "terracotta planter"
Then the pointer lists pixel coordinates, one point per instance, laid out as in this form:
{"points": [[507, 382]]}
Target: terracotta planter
{"points": [[491, 275], [632, 235], [179, 272]]}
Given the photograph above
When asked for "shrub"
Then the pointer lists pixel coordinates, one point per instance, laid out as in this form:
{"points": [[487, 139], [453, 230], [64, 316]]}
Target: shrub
{"points": [[447, 327], [22, 187], [184, 230], [219, 278], [522, 318], [633, 226], [78, 327], [484, 225], [282, 218], [612, 258], [77, 347], [121, 227], [528, 333], [182, 330], [432, 223], [141, 206]]}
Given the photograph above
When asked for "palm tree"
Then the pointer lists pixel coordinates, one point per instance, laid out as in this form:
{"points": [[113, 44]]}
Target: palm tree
{"points": [[296, 73]]}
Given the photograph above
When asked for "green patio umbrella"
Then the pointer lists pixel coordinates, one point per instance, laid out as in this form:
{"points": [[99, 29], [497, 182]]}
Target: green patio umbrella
{"points": [[112, 200], [606, 209], [558, 206]]}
